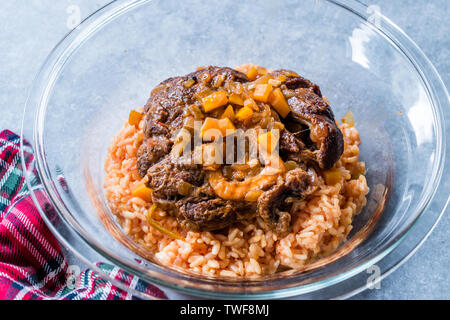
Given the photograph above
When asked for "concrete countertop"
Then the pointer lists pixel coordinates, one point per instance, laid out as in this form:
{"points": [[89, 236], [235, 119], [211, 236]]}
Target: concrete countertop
{"points": [[31, 28]]}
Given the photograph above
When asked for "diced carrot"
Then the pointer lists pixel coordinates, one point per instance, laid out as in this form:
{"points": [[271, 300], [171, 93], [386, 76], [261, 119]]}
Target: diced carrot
{"points": [[134, 118], [262, 92], [277, 100], [263, 79], [209, 124], [244, 113], [261, 70], [143, 192], [226, 126], [250, 103], [228, 113], [236, 99], [252, 73], [274, 82], [332, 176], [215, 100], [268, 141]]}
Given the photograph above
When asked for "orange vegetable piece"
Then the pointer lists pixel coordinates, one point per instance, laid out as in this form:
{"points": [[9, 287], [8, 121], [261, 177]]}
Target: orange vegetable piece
{"points": [[274, 82], [214, 100], [228, 113], [134, 118], [262, 92], [207, 130], [277, 100], [332, 176], [252, 73], [263, 79], [226, 126], [143, 192], [268, 141], [244, 113], [214, 124], [261, 70], [236, 99], [250, 103]]}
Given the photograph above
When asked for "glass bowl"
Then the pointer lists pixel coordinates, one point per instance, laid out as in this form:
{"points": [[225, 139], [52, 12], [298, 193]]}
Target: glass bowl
{"points": [[362, 61]]}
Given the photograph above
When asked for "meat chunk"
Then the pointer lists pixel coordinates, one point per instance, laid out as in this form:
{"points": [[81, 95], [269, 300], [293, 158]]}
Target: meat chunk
{"points": [[171, 180], [166, 110], [168, 101], [272, 209], [211, 213], [150, 151], [272, 206], [310, 110], [300, 183], [181, 188], [294, 149], [294, 81]]}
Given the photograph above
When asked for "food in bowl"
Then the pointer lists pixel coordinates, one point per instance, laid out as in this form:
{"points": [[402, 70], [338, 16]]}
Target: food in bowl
{"points": [[236, 172]]}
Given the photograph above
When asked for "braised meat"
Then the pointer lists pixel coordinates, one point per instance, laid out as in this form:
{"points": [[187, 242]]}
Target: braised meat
{"points": [[212, 213], [182, 190], [167, 108], [205, 196], [311, 115], [272, 205]]}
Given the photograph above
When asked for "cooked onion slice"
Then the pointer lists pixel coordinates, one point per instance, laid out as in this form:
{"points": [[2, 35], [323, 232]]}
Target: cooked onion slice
{"points": [[161, 228]]}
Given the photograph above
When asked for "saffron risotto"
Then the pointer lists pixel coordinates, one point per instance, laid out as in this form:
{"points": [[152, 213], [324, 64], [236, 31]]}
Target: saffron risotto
{"points": [[249, 248]]}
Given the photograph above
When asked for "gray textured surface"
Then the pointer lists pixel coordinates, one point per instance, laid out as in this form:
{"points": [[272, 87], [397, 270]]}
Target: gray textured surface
{"points": [[29, 30]]}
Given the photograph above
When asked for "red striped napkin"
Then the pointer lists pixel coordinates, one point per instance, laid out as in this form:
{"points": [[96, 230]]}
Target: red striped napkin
{"points": [[32, 265]]}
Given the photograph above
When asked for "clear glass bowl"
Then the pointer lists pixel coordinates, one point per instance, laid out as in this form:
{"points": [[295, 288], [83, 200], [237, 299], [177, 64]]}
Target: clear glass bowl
{"points": [[361, 60]]}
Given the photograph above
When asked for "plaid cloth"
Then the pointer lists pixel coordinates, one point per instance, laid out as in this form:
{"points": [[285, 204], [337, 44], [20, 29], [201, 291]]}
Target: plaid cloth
{"points": [[32, 265]]}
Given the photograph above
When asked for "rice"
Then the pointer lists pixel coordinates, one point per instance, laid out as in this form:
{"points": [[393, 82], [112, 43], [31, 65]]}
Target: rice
{"points": [[249, 248]]}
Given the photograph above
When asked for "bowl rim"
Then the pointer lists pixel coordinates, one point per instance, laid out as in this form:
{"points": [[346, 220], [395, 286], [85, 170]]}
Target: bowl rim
{"points": [[54, 63]]}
